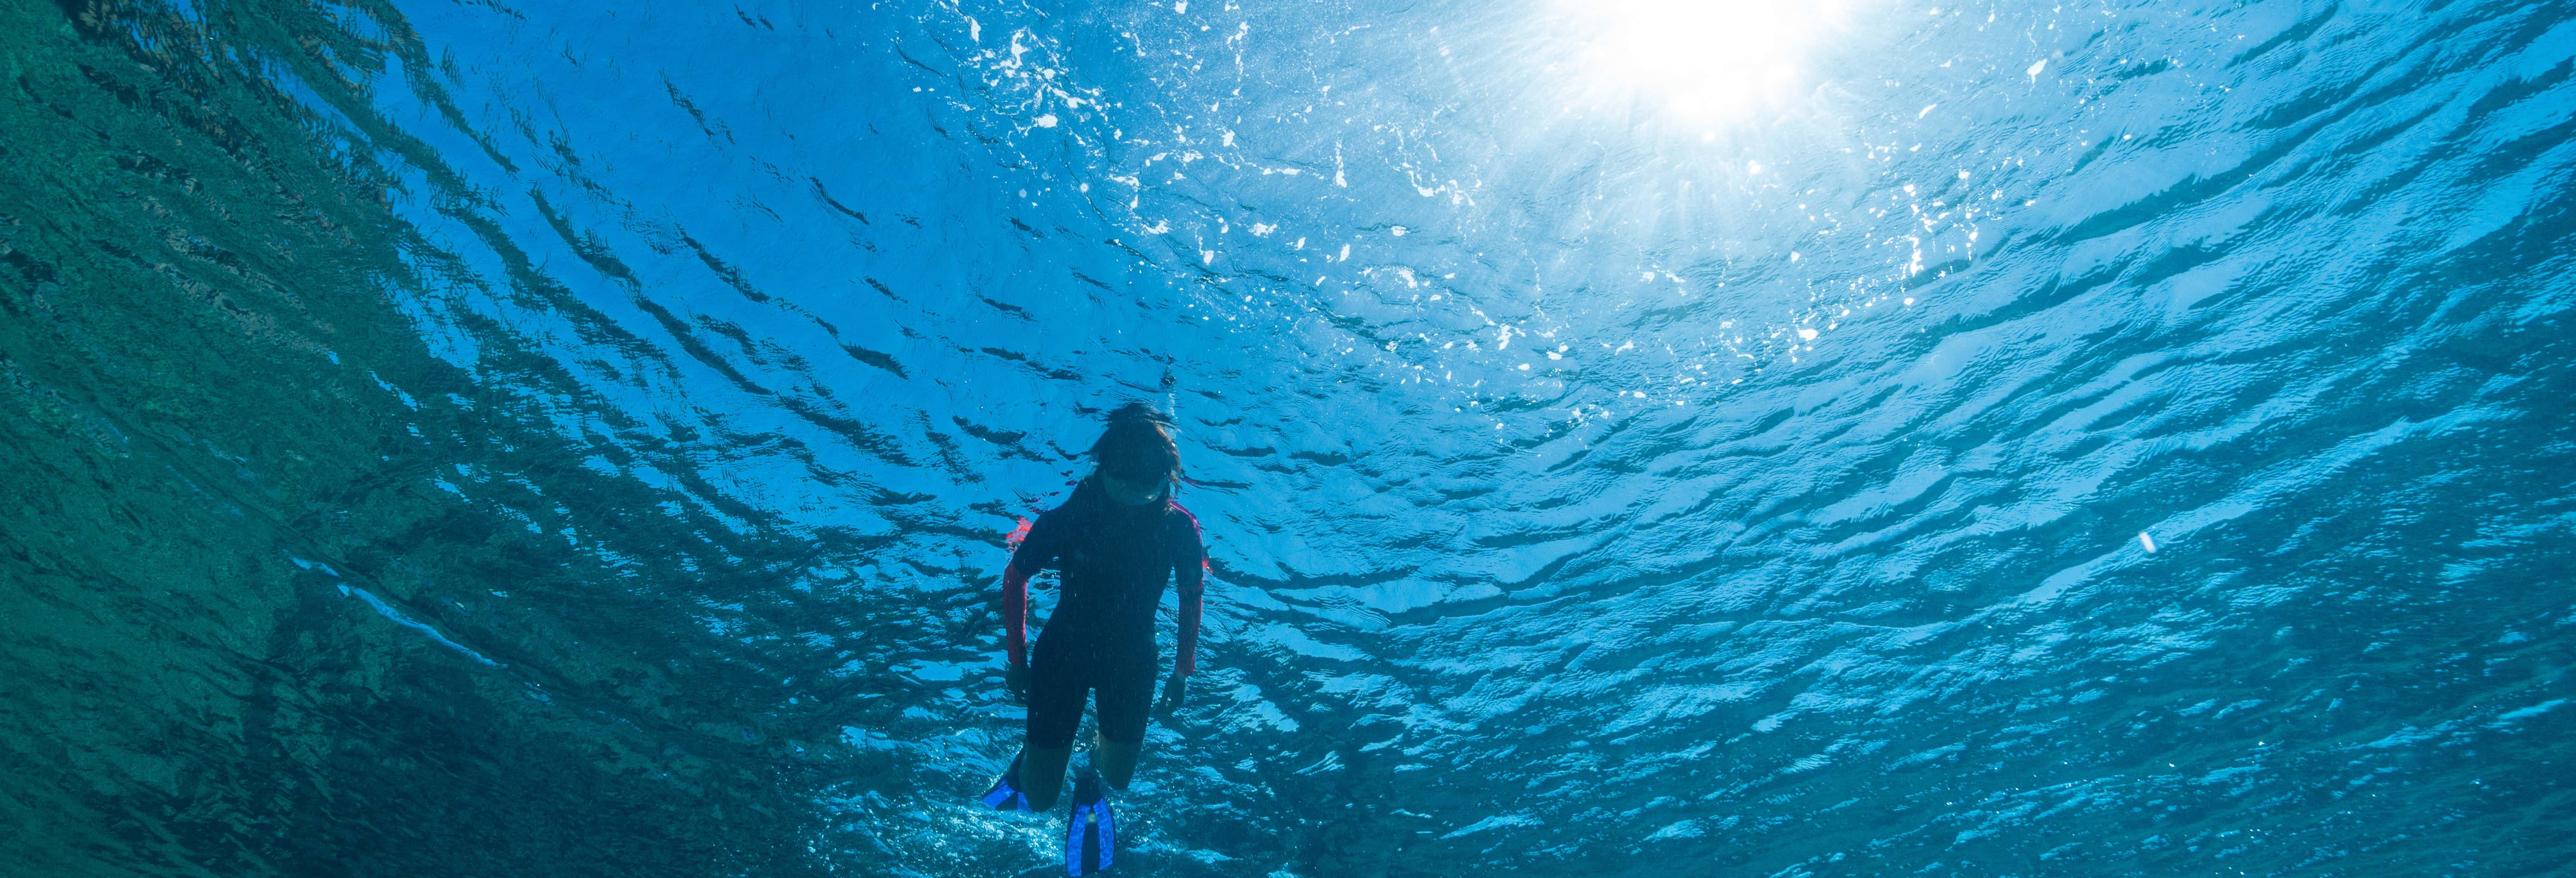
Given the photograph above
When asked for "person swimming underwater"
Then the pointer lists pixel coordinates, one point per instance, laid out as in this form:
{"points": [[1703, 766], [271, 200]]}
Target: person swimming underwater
{"points": [[1117, 541]]}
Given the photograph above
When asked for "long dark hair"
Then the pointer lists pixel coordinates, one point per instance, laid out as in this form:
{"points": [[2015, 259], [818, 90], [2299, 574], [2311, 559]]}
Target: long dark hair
{"points": [[1138, 445]]}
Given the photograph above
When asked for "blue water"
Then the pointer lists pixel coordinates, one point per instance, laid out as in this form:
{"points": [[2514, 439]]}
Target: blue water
{"points": [[579, 439]]}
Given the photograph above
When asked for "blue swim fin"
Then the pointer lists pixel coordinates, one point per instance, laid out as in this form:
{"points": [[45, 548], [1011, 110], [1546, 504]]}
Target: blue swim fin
{"points": [[1005, 794], [1091, 837]]}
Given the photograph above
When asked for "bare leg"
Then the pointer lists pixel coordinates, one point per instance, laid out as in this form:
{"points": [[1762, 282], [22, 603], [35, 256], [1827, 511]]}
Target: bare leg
{"points": [[1042, 774], [1116, 761]]}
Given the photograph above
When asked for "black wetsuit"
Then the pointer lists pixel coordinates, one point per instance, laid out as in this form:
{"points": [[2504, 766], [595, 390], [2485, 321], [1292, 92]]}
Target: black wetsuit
{"points": [[1100, 639]]}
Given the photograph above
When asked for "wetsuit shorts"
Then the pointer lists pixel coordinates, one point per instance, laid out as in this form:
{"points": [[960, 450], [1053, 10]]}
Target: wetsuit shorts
{"points": [[1119, 682]]}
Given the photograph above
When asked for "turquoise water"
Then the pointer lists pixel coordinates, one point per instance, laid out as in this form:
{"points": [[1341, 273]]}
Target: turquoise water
{"points": [[579, 439]]}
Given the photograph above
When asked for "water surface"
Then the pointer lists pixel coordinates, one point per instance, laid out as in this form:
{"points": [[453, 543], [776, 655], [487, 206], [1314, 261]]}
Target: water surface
{"points": [[570, 439]]}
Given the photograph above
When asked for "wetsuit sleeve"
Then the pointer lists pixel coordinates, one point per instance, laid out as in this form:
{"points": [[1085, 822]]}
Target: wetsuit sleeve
{"points": [[1189, 571], [1036, 552], [1015, 614]]}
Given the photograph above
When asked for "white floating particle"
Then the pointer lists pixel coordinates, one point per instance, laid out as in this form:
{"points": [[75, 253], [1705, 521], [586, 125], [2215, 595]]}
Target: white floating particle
{"points": [[2147, 542]]}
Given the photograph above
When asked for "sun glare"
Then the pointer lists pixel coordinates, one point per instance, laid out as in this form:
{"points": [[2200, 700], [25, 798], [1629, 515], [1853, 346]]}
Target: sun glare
{"points": [[1703, 60]]}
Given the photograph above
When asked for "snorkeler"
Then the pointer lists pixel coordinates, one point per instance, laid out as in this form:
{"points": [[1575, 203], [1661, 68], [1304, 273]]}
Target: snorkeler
{"points": [[1117, 540]]}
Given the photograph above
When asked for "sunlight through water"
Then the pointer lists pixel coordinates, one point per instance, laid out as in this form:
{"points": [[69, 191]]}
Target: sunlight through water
{"points": [[1703, 61]]}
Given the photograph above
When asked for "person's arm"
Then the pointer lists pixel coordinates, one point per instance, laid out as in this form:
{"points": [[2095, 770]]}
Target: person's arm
{"points": [[1015, 613], [1192, 579], [1032, 549], [1189, 571]]}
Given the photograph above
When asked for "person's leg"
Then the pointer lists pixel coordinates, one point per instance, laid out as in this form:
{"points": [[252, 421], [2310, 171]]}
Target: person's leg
{"points": [[1116, 761], [1042, 774], [1123, 702], [1056, 693]]}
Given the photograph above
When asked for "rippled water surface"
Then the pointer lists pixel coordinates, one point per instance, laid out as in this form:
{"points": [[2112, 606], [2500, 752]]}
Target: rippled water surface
{"points": [[505, 438]]}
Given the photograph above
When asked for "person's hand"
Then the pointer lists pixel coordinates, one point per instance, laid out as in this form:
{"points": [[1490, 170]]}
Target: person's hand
{"points": [[1173, 691], [1015, 680]]}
